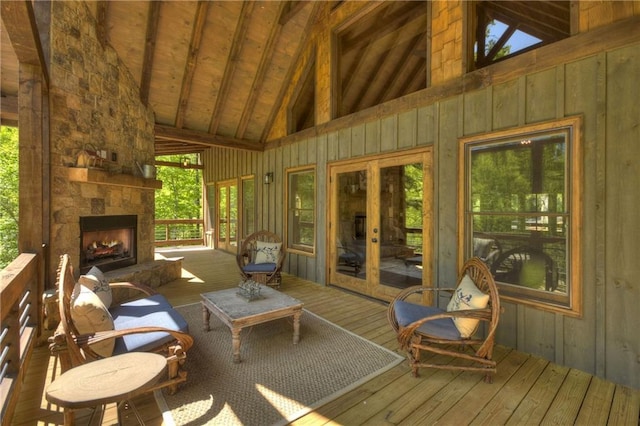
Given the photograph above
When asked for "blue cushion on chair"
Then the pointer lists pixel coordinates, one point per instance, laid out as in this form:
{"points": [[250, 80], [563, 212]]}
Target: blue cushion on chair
{"points": [[407, 313], [150, 311], [259, 267]]}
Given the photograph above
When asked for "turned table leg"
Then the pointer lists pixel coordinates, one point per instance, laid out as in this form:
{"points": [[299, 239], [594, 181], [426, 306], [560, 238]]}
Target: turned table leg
{"points": [[296, 326], [235, 341]]}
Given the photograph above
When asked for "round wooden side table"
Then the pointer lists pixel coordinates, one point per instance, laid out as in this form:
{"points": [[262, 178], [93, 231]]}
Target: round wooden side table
{"points": [[108, 380]]}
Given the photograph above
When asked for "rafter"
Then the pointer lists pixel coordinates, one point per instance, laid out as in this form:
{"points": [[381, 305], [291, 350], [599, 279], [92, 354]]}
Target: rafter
{"points": [[102, 17], [232, 62], [261, 73], [149, 49], [192, 58]]}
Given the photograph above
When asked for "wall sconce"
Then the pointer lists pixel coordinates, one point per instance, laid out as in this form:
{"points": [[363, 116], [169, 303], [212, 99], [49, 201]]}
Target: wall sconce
{"points": [[268, 178], [186, 161]]}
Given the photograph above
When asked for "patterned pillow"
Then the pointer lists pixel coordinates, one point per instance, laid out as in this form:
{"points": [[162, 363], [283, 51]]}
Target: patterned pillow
{"points": [[467, 296], [267, 252], [90, 315], [95, 281]]}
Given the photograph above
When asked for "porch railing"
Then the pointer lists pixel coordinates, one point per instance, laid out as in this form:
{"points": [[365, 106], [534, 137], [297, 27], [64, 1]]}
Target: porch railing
{"points": [[19, 309], [170, 232]]}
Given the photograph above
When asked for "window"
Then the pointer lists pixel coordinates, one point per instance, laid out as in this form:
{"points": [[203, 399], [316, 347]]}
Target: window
{"points": [[505, 29], [522, 213], [301, 202]]}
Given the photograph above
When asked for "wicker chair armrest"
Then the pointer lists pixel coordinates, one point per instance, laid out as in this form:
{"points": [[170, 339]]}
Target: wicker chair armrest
{"points": [[84, 340]]}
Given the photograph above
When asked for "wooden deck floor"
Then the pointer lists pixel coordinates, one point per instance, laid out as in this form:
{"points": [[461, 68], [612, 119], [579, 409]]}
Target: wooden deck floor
{"points": [[526, 390]]}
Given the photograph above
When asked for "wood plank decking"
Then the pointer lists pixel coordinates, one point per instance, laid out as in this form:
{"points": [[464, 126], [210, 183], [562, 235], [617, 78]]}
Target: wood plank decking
{"points": [[527, 390]]}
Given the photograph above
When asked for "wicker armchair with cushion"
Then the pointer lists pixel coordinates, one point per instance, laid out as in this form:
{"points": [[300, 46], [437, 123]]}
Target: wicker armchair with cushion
{"points": [[92, 327], [451, 332], [261, 257]]}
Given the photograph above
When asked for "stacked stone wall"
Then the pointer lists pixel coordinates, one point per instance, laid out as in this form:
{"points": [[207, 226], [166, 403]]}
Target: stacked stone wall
{"points": [[95, 105]]}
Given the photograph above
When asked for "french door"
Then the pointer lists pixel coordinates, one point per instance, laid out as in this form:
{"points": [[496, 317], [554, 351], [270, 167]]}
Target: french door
{"points": [[227, 217], [380, 223]]}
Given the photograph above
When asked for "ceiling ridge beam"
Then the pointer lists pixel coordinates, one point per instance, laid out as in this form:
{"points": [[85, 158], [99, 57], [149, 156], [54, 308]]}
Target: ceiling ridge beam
{"points": [[208, 140], [232, 62], [261, 73], [149, 49], [192, 59]]}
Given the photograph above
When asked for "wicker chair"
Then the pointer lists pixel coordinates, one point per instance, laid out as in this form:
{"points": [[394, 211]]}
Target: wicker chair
{"points": [[255, 265], [149, 324], [426, 328]]}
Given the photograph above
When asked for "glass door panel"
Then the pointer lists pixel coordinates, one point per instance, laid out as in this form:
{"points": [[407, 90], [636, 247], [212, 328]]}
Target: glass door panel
{"points": [[227, 220], [400, 254]]}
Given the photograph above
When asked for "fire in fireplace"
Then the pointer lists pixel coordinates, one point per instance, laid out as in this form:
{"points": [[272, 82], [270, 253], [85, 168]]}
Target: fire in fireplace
{"points": [[108, 242]]}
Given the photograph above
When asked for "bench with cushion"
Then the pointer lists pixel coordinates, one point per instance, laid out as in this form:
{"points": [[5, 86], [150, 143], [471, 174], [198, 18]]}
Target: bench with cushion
{"points": [[92, 327]]}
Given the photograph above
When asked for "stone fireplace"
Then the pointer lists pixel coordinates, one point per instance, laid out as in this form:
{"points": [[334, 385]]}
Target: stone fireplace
{"points": [[108, 242]]}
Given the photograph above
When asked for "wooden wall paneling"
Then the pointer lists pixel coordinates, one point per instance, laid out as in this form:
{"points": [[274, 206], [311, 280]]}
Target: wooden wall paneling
{"points": [[538, 332], [389, 133], [372, 137], [507, 330], [302, 152], [311, 147], [294, 154], [475, 112], [622, 230], [344, 143], [426, 125], [332, 146], [407, 129], [280, 184], [357, 140], [447, 201], [541, 96], [320, 154], [505, 105], [581, 97]]}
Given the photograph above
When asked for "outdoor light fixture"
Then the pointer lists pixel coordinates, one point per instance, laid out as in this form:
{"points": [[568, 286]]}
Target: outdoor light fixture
{"points": [[186, 161], [268, 178]]}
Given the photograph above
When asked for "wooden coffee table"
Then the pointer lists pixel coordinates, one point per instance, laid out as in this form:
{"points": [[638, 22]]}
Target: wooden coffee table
{"points": [[237, 313]]}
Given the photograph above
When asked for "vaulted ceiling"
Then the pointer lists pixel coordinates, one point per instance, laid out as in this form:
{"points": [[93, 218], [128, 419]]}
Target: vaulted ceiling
{"points": [[215, 73]]}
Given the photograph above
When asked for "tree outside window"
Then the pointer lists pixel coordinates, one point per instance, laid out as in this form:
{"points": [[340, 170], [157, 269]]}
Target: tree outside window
{"points": [[301, 200], [521, 201]]}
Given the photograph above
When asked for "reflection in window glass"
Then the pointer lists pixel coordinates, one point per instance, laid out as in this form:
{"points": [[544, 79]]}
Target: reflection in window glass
{"points": [[301, 210], [519, 215]]}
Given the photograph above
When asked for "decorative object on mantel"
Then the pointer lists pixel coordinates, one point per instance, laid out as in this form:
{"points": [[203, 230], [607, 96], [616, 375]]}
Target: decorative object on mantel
{"points": [[249, 289], [89, 157], [147, 171]]}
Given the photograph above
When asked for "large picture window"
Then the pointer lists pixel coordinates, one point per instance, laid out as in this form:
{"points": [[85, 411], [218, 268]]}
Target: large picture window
{"points": [[521, 211], [301, 203]]}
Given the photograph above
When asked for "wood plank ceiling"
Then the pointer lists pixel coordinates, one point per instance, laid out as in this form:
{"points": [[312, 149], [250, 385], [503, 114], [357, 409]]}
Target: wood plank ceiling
{"points": [[215, 73]]}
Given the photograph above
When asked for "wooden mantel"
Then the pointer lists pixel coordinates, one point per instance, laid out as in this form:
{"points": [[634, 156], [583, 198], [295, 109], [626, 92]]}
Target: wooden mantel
{"points": [[102, 177]]}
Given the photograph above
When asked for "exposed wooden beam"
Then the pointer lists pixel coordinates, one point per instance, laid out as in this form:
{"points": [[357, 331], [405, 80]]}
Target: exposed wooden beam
{"points": [[261, 73], [204, 139], [232, 62], [179, 165], [19, 21], [149, 48], [291, 9], [194, 46], [9, 110], [294, 63]]}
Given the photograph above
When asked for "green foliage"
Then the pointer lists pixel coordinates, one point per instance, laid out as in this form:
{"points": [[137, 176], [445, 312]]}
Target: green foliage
{"points": [[181, 193], [8, 195]]}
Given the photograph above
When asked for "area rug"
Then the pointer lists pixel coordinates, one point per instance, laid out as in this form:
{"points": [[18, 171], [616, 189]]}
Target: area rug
{"points": [[277, 381]]}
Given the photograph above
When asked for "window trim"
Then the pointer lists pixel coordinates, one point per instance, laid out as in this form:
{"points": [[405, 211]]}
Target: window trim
{"points": [[304, 250], [575, 188]]}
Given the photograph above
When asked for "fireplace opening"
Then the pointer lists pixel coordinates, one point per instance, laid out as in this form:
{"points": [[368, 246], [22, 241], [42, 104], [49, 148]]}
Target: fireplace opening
{"points": [[108, 242]]}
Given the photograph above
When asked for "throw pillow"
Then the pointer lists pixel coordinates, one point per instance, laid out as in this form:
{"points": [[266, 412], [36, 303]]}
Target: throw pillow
{"points": [[90, 315], [267, 252], [96, 281], [467, 296]]}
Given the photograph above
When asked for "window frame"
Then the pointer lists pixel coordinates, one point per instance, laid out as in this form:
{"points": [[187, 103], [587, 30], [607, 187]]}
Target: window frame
{"points": [[296, 247], [571, 304]]}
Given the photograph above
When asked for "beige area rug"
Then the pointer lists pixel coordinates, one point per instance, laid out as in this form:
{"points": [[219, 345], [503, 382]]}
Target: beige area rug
{"points": [[277, 381]]}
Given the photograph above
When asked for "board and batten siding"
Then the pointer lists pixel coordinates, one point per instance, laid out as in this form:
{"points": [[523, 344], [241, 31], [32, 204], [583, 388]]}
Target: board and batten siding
{"points": [[604, 90]]}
